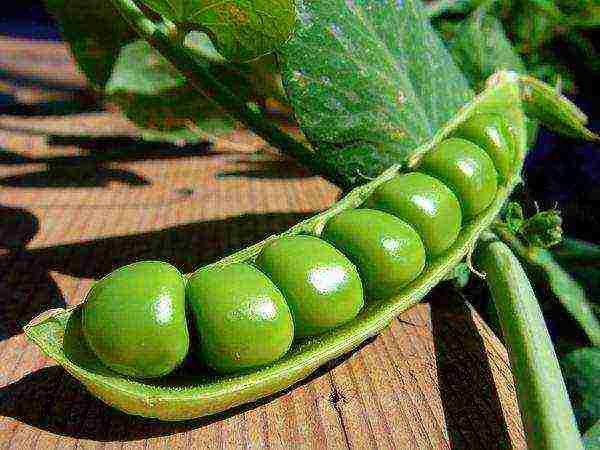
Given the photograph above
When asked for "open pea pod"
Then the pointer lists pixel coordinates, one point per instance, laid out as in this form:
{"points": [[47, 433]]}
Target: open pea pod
{"points": [[182, 396]]}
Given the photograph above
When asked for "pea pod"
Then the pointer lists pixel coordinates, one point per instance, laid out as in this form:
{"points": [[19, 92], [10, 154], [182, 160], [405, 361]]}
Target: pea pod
{"points": [[545, 407], [59, 333]]}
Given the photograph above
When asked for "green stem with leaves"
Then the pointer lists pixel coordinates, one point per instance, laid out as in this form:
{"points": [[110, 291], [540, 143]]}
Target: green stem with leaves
{"points": [[166, 42], [547, 414]]}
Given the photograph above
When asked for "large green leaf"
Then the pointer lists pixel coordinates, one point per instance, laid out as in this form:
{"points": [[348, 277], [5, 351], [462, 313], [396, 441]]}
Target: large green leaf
{"points": [[480, 48], [369, 82], [242, 29], [96, 33]]}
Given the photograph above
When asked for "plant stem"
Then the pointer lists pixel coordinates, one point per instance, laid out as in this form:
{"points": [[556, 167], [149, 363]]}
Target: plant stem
{"points": [[568, 292], [545, 407], [184, 60]]}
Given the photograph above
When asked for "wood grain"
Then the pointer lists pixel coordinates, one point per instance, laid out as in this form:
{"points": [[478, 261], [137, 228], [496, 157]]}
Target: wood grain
{"points": [[80, 195]]}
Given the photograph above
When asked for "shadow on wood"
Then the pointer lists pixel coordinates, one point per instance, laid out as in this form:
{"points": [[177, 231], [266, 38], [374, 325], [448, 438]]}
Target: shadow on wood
{"points": [[90, 168], [52, 400], [474, 415], [27, 288], [81, 176], [268, 170]]}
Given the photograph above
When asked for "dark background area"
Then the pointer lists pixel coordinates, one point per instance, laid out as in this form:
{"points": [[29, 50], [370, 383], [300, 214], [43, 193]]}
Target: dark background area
{"points": [[559, 171], [27, 19]]}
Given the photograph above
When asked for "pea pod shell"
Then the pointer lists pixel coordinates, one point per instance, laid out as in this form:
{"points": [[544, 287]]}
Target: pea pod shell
{"points": [[545, 407]]}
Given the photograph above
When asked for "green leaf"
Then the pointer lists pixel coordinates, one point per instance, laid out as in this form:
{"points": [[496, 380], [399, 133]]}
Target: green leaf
{"points": [[369, 82], [480, 48], [159, 99], [96, 33], [438, 8], [581, 369], [589, 19], [241, 29], [533, 27]]}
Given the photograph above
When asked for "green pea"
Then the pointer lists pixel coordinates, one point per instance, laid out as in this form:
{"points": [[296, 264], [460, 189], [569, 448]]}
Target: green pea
{"points": [[134, 319], [241, 317], [467, 170], [426, 204], [492, 133], [388, 252], [322, 287]]}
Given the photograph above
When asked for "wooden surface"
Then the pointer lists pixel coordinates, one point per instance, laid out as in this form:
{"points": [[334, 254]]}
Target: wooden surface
{"points": [[80, 195]]}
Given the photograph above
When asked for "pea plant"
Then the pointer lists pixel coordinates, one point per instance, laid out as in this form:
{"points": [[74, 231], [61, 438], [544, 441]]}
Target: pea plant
{"points": [[429, 157], [539, 36]]}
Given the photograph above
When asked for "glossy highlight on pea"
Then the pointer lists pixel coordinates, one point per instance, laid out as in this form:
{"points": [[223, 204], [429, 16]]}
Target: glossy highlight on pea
{"points": [[241, 317], [388, 252], [425, 203], [322, 287], [466, 169], [134, 319], [492, 133]]}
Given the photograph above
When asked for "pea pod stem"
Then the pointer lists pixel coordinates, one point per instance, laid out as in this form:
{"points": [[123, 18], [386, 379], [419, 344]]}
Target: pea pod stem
{"points": [[547, 414], [169, 45]]}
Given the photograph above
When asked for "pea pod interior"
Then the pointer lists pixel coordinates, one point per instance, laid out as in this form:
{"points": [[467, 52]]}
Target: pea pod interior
{"points": [[183, 396]]}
